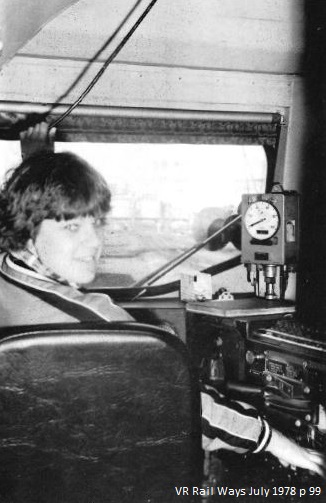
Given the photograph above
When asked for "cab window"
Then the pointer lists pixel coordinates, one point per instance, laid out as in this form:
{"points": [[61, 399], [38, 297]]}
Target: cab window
{"points": [[166, 199]]}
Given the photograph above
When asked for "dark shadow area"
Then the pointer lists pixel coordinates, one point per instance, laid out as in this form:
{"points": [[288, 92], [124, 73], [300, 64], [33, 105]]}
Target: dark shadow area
{"points": [[312, 267], [259, 478]]}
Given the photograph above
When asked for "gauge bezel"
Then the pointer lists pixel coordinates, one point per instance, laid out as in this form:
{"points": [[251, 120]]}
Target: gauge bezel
{"points": [[272, 230]]}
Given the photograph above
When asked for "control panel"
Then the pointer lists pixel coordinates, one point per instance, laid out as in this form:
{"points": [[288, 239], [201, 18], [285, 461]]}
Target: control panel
{"points": [[291, 370], [273, 363]]}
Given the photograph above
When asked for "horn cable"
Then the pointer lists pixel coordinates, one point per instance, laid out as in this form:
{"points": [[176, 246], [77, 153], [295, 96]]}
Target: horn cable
{"points": [[106, 63]]}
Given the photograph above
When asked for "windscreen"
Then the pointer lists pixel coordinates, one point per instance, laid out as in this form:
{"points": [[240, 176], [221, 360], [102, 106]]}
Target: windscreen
{"points": [[166, 198]]}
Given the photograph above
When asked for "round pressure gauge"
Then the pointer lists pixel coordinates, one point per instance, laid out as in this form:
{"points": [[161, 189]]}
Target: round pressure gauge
{"points": [[262, 220]]}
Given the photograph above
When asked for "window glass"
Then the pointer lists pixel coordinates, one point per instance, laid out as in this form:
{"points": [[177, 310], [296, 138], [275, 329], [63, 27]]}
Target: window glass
{"points": [[164, 199]]}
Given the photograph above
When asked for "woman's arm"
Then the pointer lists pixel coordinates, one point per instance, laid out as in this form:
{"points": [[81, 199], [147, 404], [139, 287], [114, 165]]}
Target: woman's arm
{"points": [[231, 425], [237, 427], [291, 454]]}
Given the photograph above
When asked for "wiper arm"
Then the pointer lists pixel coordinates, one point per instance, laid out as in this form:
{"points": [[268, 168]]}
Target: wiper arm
{"points": [[161, 271]]}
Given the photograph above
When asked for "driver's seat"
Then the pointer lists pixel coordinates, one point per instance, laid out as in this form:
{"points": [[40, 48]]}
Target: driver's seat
{"points": [[94, 415]]}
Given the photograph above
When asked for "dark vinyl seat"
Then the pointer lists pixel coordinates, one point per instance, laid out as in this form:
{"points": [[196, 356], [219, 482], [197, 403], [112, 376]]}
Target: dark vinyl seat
{"points": [[96, 415]]}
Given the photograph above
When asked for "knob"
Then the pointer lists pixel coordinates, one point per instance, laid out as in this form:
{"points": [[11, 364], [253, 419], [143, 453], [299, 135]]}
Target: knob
{"points": [[251, 357]]}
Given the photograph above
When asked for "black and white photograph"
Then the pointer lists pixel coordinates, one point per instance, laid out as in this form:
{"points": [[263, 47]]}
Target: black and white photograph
{"points": [[162, 251]]}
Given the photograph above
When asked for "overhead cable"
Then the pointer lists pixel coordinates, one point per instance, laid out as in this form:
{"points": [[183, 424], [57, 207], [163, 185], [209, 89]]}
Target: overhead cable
{"points": [[115, 52]]}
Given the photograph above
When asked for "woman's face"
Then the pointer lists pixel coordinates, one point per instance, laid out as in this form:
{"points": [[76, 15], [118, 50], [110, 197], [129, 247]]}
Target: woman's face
{"points": [[71, 248]]}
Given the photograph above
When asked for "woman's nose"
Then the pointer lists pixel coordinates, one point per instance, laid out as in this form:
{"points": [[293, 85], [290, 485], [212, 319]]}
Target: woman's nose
{"points": [[93, 235]]}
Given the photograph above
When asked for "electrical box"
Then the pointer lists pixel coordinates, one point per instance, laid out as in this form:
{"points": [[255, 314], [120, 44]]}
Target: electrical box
{"points": [[270, 228]]}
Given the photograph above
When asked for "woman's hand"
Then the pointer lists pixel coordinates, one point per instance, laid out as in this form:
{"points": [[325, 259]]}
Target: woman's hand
{"points": [[36, 138], [291, 454]]}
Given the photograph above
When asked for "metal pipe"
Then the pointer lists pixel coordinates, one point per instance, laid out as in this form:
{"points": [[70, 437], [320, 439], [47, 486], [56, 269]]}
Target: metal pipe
{"points": [[161, 271], [133, 112]]}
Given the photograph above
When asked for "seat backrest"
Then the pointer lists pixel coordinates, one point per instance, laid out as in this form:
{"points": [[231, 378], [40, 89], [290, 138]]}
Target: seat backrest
{"points": [[96, 415]]}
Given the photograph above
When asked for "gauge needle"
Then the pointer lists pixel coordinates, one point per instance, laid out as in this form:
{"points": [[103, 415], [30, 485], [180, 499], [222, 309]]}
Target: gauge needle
{"points": [[258, 222]]}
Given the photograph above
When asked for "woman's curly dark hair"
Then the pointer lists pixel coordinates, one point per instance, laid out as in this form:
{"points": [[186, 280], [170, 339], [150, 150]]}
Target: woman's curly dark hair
{"points": [[48, 185]]}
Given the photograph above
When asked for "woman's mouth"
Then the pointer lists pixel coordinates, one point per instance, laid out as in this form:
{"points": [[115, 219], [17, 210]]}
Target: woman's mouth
{"points": [[87, 260]]}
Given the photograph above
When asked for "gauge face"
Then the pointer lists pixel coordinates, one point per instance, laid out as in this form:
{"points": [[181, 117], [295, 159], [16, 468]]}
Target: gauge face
{"points": [[262, 220]]}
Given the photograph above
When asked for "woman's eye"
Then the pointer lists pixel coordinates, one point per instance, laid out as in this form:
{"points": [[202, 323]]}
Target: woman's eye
{"points": [[72, 227]]}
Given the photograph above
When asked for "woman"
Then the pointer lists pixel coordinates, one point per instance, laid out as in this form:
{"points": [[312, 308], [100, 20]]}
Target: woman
{"points": [[53, 209]]}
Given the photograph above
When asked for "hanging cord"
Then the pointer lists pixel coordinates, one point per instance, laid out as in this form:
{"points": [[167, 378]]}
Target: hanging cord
{"points": [[106, 63], [95, 57]]}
